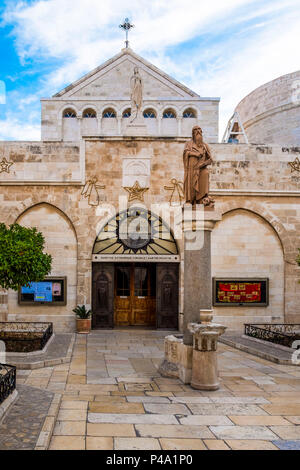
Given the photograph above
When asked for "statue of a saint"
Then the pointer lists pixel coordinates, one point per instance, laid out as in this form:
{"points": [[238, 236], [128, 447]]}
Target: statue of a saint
{"points": [[196, 158], [136, 94]]}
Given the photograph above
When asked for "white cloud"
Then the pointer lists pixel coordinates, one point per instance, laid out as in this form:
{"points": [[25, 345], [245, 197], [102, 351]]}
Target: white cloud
{"points": [[2, 92], [14, 129], [244, 43]]}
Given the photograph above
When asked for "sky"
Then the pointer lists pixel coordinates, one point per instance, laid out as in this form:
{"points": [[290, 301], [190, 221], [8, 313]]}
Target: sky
{"points": [[217, 48]]}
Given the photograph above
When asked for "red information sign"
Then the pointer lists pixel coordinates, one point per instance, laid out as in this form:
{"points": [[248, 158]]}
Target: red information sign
{"points": [[245, 292]]}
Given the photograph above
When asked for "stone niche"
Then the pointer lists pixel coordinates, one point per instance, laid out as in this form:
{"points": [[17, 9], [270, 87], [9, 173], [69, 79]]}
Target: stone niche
{"points": [[136, 169]]}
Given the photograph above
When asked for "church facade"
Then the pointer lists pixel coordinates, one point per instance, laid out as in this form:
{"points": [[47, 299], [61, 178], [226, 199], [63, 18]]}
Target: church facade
{"points": [[106, 192]]}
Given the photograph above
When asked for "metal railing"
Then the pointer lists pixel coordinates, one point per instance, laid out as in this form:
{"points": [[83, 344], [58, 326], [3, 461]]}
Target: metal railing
{"points": [[278, 333], [7, 381], [25, 336]]}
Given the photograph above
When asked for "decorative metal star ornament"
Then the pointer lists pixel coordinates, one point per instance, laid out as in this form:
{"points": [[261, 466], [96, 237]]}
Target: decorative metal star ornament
{"points": [[295, 165], [136, 192], [5, 165]]}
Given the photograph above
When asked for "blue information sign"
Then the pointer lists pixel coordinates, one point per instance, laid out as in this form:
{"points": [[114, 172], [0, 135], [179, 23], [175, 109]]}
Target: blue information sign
{"points": [[42, 291]]}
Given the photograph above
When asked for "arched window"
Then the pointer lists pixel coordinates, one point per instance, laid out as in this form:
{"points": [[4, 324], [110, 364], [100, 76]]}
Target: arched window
{"points": [[109, 113], [69, 113], [169, 114], [89, 113], [135, 231], [126, 113], [149, 113], [189, 113]]}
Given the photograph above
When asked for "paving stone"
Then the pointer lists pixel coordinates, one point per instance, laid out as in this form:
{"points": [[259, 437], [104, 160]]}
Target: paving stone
{"points": [[176, 431], [190, 400], [250, 445], [109, 399], [172, 409], [259, 420], [241, 400], [215, 444], [226, 409], [202, 420], [74, 405], [138, 387], [287, 409], [287, 445], [99, 443], [148, 400], [293, 419], [287, 432], [243, 432], [131, 418], [70, 428], [72, 415], [182, 444], [114, 430], [107, 381], [123, 443], [67, 443], [126, 408]]}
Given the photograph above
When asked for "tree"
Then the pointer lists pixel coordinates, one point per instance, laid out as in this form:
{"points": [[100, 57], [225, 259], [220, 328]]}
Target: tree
{"points": [[298, 258], [21, 256]]}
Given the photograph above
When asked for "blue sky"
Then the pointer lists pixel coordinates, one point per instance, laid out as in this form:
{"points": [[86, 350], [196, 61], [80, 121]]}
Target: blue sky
{"points": [[217, 48]]}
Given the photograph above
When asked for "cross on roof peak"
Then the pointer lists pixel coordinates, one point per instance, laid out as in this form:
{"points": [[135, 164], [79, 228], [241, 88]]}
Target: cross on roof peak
{"points": [[127, 26]]}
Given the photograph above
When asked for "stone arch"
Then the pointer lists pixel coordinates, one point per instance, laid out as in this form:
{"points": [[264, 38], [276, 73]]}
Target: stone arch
{"points": [[66, 106], [108, 106], [110, 239], [246, 245], [32, 202], [187, 108], [261, 211], [61, 243]]}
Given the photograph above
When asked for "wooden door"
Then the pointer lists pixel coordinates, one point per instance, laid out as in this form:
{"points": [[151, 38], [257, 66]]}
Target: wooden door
{"points": [[103, 295], [167, 276], [123, 295], [135, 295]]}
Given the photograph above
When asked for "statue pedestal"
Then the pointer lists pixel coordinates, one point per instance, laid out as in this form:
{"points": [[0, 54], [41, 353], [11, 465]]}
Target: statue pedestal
{"points": [[197, 227], [205, 367], [183, 359], [136, 128]]}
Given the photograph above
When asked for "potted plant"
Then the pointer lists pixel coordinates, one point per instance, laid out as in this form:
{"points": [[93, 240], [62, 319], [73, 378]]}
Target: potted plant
{"points": [[83, 319]]}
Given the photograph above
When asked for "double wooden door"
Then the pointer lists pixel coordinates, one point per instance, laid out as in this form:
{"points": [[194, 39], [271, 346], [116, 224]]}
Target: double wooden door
{"points": [[135, 294]]}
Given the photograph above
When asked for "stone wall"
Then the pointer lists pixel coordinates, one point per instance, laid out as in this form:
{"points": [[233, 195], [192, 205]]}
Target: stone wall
{"points": [[255, 182], [61, 243], [245, 245], [41, 162], [55, 127], [271, 113]]}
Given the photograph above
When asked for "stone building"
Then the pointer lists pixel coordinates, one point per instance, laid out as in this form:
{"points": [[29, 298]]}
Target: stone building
{"points": [[271, 113], [94, 166]]}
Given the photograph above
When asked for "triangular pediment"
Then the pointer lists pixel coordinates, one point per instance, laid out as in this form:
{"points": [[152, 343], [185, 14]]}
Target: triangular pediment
{"points": [[112, 81]]}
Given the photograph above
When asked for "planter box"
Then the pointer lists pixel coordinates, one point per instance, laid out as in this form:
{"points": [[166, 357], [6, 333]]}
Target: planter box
{"points": [[23, 337]]}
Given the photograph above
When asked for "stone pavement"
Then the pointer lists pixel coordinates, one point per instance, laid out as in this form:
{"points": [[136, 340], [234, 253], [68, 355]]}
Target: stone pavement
{"points": [[114, 398], [20, 428]]}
